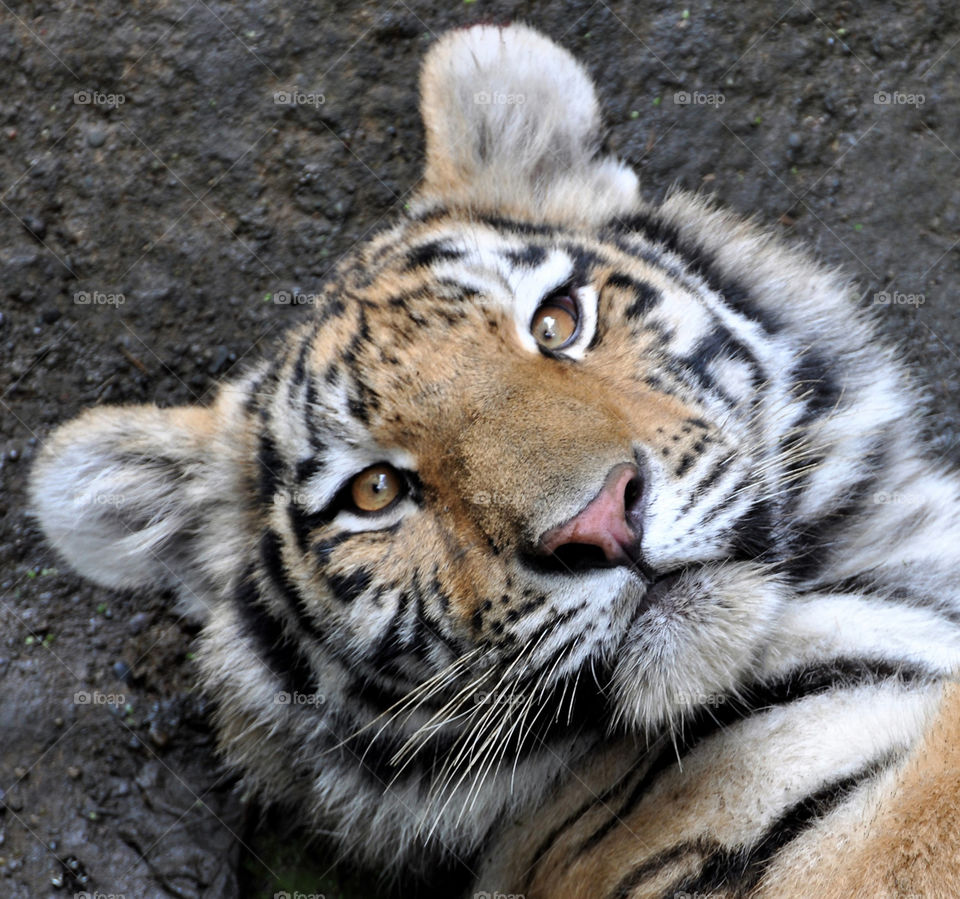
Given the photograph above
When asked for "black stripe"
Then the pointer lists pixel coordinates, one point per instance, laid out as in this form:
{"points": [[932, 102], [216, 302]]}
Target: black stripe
{"points": [[269, 468], [646, 296], [333, 307], [323, 549], [429, 253], [758, 698], [703, 486], [310, 417], [530, 256], [743, 868], [501, 223], [272, 562], [703, 263], [348, 587], [653, 866], [551, 838], [307, 468], [814, 547], [816, 377], [278, 652], [754, 534]]}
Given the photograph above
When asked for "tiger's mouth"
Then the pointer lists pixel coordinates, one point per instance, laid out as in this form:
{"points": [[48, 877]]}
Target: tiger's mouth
{"points": [[659, 587]]}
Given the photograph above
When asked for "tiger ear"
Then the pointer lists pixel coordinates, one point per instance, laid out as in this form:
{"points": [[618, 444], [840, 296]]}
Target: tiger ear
{"points": [[131, 496], [513, 125]]}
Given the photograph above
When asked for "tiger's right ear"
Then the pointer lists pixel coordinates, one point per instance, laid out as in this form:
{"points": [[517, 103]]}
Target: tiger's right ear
{"points": [[513, 127], [137, 496]]}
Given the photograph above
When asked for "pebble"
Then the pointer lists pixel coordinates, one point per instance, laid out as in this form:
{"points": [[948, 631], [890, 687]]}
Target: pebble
{"points": [[121, 671], [36, 226], [138, 622], [49, 316], [220, 357], [96, 137]]}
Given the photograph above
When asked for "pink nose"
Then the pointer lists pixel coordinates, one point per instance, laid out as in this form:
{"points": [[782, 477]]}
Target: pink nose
{"points": [[603, 522]]}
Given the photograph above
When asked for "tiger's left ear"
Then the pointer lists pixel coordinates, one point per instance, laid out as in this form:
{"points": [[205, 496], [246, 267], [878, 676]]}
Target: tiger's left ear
{"points": [[513, 126]]}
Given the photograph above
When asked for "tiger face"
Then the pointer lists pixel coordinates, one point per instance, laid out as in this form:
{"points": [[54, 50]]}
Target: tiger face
{"points": [[515, 427], [538, 470]]}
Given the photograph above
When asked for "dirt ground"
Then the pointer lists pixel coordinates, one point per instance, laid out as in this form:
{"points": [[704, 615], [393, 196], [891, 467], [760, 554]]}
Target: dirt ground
{"points": [[146, 168]]}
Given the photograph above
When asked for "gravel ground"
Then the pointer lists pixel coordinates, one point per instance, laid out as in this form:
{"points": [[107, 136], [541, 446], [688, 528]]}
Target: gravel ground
{"points": [[154, 195]]}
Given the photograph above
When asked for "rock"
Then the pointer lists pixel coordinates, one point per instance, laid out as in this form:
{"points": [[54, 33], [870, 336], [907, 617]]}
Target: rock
{"points": [[138, 622], [35, 226]]}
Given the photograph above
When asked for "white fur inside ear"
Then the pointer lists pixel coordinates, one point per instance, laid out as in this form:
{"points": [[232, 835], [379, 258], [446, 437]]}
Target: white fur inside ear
{"points": [[513, 125], [140, 497]]}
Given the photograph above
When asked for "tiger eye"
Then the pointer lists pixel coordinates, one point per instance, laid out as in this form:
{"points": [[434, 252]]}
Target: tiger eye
{"points": [[375, 488], [555, 323]]}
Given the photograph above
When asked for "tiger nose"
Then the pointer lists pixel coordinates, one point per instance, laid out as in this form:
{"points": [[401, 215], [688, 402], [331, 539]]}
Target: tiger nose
{"points": [[609, 522]]}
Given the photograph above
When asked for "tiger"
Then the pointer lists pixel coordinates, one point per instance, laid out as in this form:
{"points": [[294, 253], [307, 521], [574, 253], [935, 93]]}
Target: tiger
{"points": [[585, 546]]}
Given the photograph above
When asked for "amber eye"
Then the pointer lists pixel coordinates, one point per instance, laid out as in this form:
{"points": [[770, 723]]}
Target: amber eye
{"points": [[556, 322], [375, 488]]}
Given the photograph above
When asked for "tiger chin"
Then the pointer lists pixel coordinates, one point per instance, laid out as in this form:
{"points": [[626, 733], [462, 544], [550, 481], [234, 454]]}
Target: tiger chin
{"points": [[583, 542]]}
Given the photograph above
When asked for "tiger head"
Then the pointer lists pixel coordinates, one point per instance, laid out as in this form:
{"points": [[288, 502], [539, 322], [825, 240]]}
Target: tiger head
{"points": [[519, 473]]}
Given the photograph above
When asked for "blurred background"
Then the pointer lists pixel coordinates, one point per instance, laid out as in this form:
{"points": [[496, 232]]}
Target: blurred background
{"points": [[168, 169]]}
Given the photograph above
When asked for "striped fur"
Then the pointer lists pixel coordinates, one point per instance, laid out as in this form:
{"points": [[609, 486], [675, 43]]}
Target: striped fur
{"points": [[760, 703]]}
